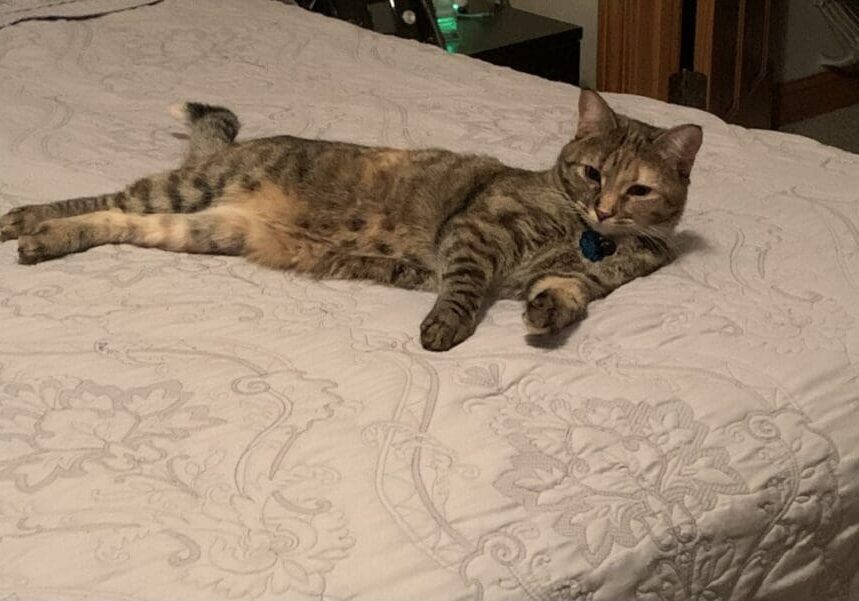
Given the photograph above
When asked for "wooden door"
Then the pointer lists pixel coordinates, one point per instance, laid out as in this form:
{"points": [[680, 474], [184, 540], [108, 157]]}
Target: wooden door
{"points": [[713, 54], [732, 52]]}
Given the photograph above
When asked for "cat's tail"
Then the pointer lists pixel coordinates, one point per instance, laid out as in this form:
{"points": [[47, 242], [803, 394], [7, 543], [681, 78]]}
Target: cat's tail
{"points": [[210, 128]]}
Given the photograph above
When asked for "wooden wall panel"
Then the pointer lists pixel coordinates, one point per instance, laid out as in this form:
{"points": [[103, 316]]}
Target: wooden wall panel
{"points": [[639, 46]]}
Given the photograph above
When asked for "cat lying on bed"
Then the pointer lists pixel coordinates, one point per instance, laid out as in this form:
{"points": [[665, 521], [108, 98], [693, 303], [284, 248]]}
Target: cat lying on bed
{"points": [[468, 227]]}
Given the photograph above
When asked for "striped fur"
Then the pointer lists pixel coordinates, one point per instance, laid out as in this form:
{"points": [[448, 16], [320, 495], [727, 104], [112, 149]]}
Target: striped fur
{"points": [[466, 226]]}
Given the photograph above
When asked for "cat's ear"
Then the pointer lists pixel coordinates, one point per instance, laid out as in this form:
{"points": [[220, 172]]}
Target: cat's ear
{"points": [[595, 115], [680, 144]]}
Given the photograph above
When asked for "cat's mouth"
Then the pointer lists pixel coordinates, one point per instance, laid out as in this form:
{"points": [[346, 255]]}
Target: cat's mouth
{"points": [[613, 226], [619, 227]]}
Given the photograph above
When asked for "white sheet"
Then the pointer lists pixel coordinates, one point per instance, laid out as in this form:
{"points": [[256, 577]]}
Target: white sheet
{"points": [[188, 427]]}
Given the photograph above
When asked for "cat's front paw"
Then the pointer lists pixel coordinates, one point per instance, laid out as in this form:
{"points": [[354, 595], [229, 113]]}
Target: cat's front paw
{"points": [[443, 329], [19, 221], [550, 311]]}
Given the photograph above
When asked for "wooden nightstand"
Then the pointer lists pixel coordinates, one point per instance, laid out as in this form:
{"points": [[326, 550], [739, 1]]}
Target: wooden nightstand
{"points": [[511, 38]]}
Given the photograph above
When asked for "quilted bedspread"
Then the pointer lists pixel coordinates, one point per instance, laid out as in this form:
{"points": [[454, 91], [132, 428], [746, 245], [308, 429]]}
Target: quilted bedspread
{"points": [[198, 428]]}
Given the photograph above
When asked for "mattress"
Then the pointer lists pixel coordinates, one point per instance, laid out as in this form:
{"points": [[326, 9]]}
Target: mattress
{"points": [[196, 427]]}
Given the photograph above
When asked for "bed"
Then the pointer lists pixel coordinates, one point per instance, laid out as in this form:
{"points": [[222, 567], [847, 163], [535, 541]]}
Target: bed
{"points": [[196, 427]]}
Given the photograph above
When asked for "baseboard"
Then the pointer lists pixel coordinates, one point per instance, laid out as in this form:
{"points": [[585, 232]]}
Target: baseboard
{"points": [[814, 95]]}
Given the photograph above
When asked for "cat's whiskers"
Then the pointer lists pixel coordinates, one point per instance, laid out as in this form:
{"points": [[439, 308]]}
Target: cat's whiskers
{"points": [[657, 236]]}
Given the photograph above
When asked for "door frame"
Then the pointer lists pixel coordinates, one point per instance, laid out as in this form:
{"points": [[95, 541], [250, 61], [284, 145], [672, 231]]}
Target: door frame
{"points": [[760, 89], [642, 50]]}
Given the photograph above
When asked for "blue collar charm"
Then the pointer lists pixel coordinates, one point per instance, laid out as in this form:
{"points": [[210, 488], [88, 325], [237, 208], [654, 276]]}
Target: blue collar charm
{"points": [[596, 247]]}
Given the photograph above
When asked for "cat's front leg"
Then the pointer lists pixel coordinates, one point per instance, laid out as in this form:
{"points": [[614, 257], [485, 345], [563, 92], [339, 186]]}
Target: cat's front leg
{"points": [[454, 316], [469, 265], [555, 302], [565, 284]]}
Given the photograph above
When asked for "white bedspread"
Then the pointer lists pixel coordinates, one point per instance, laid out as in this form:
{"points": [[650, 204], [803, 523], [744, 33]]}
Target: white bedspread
{"points": [[190, 427], [14, 12]]}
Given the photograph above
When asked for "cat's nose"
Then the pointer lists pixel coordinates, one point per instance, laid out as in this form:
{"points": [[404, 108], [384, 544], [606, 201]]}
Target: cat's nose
{"points": [[606, 206], [603, 214]]}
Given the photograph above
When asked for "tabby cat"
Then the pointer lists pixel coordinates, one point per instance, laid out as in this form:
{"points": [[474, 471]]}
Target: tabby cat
{"points": [[466, 226]]}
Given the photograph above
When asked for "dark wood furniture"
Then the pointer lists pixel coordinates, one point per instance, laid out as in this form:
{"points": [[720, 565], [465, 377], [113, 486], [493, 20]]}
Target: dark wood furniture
{"points": [[523, 41], [508, 37]]}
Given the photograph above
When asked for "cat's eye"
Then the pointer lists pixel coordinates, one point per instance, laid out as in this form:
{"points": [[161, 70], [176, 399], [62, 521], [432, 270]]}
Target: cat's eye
{"points": [[639, 190], [593, 174]]}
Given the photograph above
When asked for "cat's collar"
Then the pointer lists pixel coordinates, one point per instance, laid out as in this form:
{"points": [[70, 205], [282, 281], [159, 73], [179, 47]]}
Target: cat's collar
{"points": [[596, 247]]}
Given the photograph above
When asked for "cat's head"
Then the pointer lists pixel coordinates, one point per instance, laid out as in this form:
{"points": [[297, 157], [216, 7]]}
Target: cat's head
{"points": [[627, 177]]}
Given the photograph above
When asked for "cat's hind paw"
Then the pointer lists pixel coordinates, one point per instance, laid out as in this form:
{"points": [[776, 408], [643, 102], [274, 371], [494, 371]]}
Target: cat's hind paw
{"points": [[18, 222], [31, 250], [51, 239]]}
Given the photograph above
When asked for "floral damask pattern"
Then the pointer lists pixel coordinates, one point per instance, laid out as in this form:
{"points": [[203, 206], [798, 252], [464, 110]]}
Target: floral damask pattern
{"points": [[267, 546], [612, 471], [799, 498], [53, 429], [265, 533]]}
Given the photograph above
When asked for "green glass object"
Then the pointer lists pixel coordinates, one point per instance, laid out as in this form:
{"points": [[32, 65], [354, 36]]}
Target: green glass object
{"points": [[446, 12], [447, 24]]}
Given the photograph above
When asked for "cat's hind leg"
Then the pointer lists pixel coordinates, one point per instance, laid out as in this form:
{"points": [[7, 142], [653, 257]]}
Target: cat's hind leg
{"points": [[220, 230], [182, 190], [210, 130], [155, 194], [21, 221]]}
